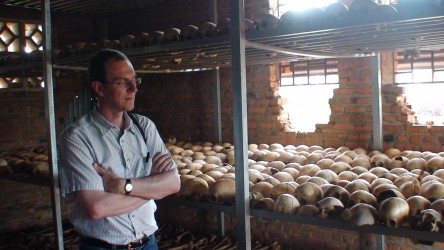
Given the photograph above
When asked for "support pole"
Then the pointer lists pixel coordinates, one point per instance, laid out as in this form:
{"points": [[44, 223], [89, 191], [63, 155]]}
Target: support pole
{"points": [[237, 36], [377, 121], [376, 102], [216, 83], [50, 124]]}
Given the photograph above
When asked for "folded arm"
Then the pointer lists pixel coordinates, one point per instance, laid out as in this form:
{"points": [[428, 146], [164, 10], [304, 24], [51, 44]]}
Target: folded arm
{"points": [[163, 181], [100, 204]]}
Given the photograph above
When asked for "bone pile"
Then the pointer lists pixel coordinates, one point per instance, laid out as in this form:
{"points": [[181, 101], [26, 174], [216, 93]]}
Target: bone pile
{"points": [[30, 162], [42, 239], [174, 238], [393, 188]]}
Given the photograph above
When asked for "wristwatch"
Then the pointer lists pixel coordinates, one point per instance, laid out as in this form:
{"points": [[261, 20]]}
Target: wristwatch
{"points": [[128, 187]]}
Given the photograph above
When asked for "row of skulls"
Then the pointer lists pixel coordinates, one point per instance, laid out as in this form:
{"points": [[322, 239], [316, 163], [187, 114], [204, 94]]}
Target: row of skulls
{"points": [[29, 161], [336, 14], [395, 188], [291, 19]]}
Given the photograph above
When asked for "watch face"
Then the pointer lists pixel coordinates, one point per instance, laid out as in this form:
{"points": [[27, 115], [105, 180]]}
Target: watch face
{"points": [[128, 187]]}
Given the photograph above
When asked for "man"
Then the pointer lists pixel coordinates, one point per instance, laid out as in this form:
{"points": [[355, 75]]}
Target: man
{"points": [[113, 166]]}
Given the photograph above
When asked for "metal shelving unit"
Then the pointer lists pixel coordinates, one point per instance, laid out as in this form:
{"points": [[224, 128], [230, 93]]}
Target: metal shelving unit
{"points": [[349, 38], [344, 38], [332, 223]]}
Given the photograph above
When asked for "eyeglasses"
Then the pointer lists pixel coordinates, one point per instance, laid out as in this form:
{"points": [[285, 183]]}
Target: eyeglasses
{"points": [[127, 83]]}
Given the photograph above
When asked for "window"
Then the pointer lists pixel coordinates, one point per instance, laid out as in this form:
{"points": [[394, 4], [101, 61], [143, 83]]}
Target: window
{"points": [[19, 42], [311, 72], [421, 73], [307, 86], [19, 36]]}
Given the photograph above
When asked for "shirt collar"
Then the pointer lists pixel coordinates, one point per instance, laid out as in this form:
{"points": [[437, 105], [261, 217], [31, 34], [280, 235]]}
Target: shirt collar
{"points": [[105, 126]]}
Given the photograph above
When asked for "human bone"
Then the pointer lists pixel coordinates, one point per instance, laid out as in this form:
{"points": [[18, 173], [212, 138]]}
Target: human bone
{"points": [[330, 207], [379, 160], [223, 191], [286, 203], [325, 163], [328, 175], [339, 167], [430, 220], [394, 212], [361, 196], [292, 171], [266, 21], [264, 188], [308, 193], [361, 214], [416, 163], [356, 185], [265, 204], [338, 192], [433, 192], [309, 210], [309, 169], [282, 188]]}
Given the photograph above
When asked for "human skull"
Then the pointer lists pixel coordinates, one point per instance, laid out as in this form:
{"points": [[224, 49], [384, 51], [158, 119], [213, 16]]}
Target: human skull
{"points": [[379, 160], [309, 210], [338, 192], [264, 188], [286, 203], [339, 167], [282, 188], [308, 193], [189, 32], [328, 175], [394, 212], [195, 189], [361, 214], [330, 207], [361, 196], [416, 203], [265, 204], [223, 191], [433, 191], [357, 185], [430, 220], [283, 177]]}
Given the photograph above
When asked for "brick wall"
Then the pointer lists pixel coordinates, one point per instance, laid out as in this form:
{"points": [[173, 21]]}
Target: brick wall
{"points": [[185, 110], [24, 205], [22, 121]]}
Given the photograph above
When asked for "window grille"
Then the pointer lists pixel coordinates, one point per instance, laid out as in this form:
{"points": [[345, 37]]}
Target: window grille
{"points": [[18, 40], [322, 71], [415, 66]]}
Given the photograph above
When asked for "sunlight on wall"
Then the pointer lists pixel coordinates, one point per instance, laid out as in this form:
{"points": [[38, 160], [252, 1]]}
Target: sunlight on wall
{"points": [[427, 101], [307, 105], [300, 5]]}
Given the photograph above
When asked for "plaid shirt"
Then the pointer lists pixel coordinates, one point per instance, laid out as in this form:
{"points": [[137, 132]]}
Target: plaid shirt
{"points": [[93, 139]]}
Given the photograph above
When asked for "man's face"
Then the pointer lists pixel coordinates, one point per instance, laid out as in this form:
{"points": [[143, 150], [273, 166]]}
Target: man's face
{"points": [[118, 96]]}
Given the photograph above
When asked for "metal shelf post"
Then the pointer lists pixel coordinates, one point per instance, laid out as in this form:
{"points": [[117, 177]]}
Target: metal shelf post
{"points": [[237, 36], [50, 125]]}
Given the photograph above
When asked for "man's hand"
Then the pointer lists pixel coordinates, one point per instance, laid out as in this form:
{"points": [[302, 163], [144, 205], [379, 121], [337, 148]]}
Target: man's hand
{"points": [[161, 163], [111, 182]]}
